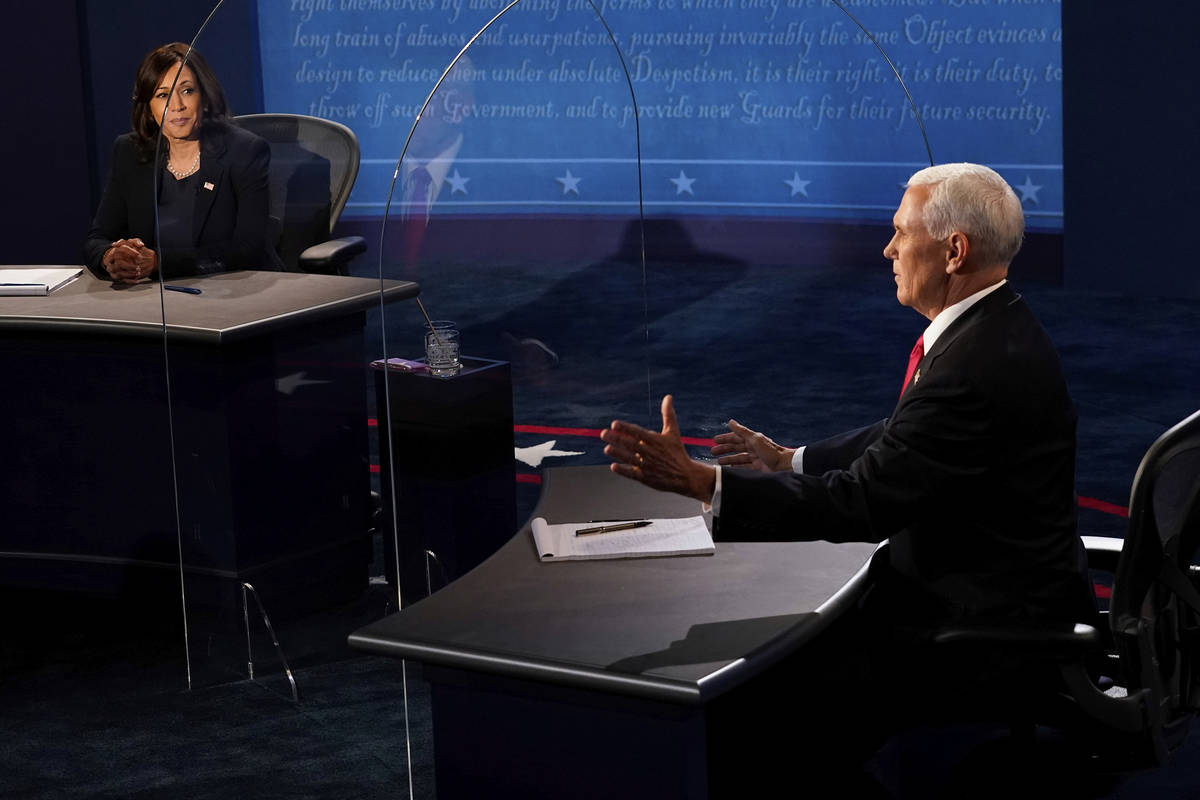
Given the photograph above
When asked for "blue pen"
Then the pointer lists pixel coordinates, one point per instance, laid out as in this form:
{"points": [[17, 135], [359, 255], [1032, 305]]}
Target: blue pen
{"points": [[188, 289]]}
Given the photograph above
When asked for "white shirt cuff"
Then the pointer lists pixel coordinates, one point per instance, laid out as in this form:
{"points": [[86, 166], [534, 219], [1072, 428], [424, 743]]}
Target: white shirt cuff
{"points": [[798, 460], [715, 504]]}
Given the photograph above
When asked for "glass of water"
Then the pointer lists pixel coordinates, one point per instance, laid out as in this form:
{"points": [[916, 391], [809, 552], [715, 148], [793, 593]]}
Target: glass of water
{"points": [[442, 348]]}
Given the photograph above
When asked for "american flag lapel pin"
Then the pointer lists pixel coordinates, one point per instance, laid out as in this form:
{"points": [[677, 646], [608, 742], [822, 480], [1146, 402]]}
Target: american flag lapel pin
{"points": [[208, 185]]}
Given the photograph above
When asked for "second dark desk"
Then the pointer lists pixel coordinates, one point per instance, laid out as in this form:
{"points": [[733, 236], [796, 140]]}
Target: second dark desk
{"points": [[595, 678], [446, 449], [268, 395]]}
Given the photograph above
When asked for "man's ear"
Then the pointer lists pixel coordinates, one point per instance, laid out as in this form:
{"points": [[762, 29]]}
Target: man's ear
{"points": [[957, 248]]}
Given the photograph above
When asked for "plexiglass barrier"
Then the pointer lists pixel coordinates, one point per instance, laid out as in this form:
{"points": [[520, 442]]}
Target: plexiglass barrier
{"points": [[268, 369], [308, 471], [518, 210], [740, 310]]}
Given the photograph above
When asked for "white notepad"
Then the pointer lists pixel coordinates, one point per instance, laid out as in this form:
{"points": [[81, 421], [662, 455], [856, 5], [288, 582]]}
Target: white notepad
{"points": [[36, 280], [663, 537]]}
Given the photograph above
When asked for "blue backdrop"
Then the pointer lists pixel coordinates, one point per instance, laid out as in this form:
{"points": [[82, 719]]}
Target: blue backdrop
{"points": [[762, 107]]}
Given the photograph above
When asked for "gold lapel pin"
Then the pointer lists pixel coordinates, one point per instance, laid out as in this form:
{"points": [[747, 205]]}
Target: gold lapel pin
{"points": [[917, 377]]}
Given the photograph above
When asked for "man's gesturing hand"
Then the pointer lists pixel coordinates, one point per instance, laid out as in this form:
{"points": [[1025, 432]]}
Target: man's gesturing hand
{"points": [[742, 447], [658, 460]]}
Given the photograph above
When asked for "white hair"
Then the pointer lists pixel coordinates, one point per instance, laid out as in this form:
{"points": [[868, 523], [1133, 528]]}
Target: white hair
{"points": [[973, 199]]}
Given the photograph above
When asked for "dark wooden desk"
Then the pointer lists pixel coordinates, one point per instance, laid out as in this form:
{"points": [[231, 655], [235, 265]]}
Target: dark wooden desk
{"points": [[595, 678], [268, 379]]}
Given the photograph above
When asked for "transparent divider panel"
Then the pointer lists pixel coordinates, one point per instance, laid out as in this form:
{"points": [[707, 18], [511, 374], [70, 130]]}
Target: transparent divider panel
{"points": [[270, 422], [90, 581], [516, 207], [771, 215]]}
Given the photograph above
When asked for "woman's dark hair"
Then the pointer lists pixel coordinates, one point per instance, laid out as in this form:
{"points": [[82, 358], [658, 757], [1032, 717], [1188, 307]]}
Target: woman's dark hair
{"points": [[154, 65]]}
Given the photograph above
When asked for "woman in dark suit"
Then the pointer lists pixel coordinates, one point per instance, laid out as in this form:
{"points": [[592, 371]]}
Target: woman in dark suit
{"points": [[212, 186]]}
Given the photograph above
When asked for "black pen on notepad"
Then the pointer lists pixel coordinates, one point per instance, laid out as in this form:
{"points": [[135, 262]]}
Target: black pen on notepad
{"points": [[624, 526], [188, 289]]}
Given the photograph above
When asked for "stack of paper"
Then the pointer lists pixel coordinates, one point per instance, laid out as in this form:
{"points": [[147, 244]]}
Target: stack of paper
{"points": [[661, 537], [36, 280]]}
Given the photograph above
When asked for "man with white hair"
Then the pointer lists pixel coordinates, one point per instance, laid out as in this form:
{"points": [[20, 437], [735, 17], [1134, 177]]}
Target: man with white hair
{"points": [[972, 477], [971, 480]]}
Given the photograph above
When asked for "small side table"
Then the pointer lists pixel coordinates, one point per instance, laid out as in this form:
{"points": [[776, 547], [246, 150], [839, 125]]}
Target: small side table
{"points": [[451, 470]]}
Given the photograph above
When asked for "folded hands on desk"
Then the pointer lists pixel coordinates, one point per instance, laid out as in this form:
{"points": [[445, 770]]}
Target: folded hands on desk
{"points": [[129, 260]]}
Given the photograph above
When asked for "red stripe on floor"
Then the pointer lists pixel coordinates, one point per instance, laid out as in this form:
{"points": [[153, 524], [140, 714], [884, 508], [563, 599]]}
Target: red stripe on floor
{"points": [[695, 441], [1100, 505], [594, 433], [546, 430]]}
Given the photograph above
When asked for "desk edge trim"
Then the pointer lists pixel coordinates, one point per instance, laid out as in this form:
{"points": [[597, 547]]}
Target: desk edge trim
{"points": [[145, 329], [662, 689], [736, 673]]}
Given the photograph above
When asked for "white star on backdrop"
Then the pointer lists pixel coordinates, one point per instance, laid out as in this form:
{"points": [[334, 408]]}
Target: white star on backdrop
{"points": [[798, 186], [457, 182], [533, 455], [1029, 191], [570, 183], [683, 184]]}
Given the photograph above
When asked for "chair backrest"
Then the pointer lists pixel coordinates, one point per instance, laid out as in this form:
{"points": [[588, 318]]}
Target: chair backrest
{"points": [[314, 163], [1155, 609]]}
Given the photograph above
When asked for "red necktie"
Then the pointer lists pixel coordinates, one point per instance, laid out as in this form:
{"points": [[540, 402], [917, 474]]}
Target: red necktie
{"points": [[918, 352]]}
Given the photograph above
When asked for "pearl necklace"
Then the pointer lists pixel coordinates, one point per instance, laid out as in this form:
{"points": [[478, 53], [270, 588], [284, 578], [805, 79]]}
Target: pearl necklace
{"points": [[181, 174]]}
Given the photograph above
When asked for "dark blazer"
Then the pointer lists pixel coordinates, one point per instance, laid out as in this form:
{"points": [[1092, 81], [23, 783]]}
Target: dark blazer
{"points": [[230, 223], [972, 479]]}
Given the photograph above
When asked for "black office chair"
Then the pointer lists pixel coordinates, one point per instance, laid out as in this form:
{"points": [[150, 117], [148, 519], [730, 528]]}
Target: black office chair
{"points": [[1152, 652], [314, 163]]}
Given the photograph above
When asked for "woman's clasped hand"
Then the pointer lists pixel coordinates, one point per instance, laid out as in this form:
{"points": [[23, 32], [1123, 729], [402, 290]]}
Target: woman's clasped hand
{"points": [[129, 260]]}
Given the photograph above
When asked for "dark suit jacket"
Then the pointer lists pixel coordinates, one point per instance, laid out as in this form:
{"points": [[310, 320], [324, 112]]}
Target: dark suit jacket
{"points": [[972, 479], [230, 223]]}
